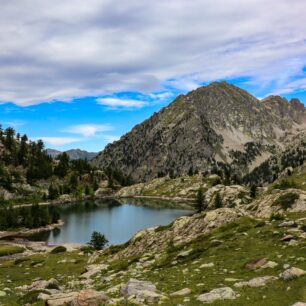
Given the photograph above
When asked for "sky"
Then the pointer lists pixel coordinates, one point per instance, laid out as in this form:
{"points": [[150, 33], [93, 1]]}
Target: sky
{"points": [[80, 74]]}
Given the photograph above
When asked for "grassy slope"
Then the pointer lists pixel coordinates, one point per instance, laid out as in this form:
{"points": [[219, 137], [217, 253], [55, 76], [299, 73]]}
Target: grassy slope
{"points": [[228, 248], [184, 187]]}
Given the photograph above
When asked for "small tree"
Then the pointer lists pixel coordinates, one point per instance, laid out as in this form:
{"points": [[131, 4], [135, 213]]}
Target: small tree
{"points": [[218, 200], [253, 191], [200, 203], [98, 240]]}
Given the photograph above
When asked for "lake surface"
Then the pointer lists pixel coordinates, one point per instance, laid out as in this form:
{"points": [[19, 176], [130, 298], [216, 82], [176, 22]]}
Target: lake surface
{"points": [[117, 221]]}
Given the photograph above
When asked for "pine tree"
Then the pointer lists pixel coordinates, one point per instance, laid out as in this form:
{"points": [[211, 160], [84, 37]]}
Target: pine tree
{"points": [[98, 241], [200, 200], [218, 200], [253, 191]]}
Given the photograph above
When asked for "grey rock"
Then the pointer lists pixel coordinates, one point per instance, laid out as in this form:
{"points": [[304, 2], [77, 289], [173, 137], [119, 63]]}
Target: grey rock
{"points": [[224, 293], [292, 273]]}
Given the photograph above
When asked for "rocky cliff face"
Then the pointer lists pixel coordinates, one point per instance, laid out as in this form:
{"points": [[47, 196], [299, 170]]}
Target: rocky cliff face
{"points": [[216, 123]]}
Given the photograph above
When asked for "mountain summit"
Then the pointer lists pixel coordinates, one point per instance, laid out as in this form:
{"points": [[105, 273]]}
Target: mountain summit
{"points": [[215, 124]]}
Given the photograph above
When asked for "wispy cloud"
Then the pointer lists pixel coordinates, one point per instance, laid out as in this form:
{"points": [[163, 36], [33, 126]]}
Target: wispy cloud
{"points": [[15, 123], [88, 130], [58, 141], [117, 103], [139, 100]]}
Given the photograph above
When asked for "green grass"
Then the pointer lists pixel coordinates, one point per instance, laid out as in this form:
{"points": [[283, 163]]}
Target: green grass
{"points": [[24, 272], [229, 248], [7, 249]]}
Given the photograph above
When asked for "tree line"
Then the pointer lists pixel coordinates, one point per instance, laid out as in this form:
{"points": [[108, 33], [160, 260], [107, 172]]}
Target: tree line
{"points": [[28, 217]]}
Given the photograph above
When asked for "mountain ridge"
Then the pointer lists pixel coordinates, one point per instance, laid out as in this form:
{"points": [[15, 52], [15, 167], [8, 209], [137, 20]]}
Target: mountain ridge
{"points": [[73, 154], [202, 129]]}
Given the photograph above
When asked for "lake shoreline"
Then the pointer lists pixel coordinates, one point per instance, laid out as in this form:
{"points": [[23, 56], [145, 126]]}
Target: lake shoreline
{"points": [[27, 232], [106, 197]]}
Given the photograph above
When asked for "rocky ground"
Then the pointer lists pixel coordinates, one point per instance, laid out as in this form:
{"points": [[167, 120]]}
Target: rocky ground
{"points": [[249, 252], [225, 257]]}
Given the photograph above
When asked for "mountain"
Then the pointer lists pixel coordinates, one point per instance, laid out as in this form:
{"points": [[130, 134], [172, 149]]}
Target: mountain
{"points": [[214, 126], [73, 154]]}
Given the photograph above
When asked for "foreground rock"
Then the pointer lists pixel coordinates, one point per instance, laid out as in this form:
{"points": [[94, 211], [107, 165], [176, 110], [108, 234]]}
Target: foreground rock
{"points": [[182, 292], [93, 270], [141, 291], [224, 293], [82, 298], [292, 273], [41, 284], [256, 282]]}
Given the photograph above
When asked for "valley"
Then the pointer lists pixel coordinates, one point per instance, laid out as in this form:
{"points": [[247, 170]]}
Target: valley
{"points": [[204, 202]]}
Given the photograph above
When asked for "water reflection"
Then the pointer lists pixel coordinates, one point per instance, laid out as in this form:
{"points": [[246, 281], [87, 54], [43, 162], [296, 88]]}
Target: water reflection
{"points": [[117, 220]]}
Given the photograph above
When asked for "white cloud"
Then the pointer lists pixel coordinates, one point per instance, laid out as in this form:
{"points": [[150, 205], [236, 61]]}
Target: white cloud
{"points": [[59, 50], [115, 103], [88, 130], [58, 141], [15, 123]]}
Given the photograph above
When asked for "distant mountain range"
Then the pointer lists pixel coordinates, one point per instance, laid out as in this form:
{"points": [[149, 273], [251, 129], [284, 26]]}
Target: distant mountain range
{"points": [[218, 124], [73, 154]]}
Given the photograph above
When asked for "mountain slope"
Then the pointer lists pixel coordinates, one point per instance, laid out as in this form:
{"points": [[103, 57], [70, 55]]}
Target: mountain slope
{"points": [[216, 124]]}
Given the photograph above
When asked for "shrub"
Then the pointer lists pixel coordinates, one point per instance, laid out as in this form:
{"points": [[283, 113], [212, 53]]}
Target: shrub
{"points": [[287, 200], [98, 241], [87, 249], [162, 228], [58, 249], [6, 250], [285, 184], [277, 217]]}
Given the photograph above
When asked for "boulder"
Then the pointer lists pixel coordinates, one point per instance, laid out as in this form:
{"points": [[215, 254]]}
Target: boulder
{"points": [[287, 223], [182, 292], [256, 282], [92, 270], [87, 297], [270, 264], [256, 263], [224, 293], [292, 273], [141, 291], [299, 304], [2, 293], [134, 286], [52, 283], [207, 265], [287, 238]]}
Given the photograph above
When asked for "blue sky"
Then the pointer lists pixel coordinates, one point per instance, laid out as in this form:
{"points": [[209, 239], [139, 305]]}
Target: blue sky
{"points": [[79, 75]]}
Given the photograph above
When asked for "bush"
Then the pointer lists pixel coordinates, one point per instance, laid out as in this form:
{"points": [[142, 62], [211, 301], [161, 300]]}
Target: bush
{"points": [[285, 184], [277, 217], [6, 250], [58, 249], [287, 200], [98, 241], [87, 249]]}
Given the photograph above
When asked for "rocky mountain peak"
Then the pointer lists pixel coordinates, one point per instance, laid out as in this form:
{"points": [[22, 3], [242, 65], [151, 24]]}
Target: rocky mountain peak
{"points": [[214, 123]]}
